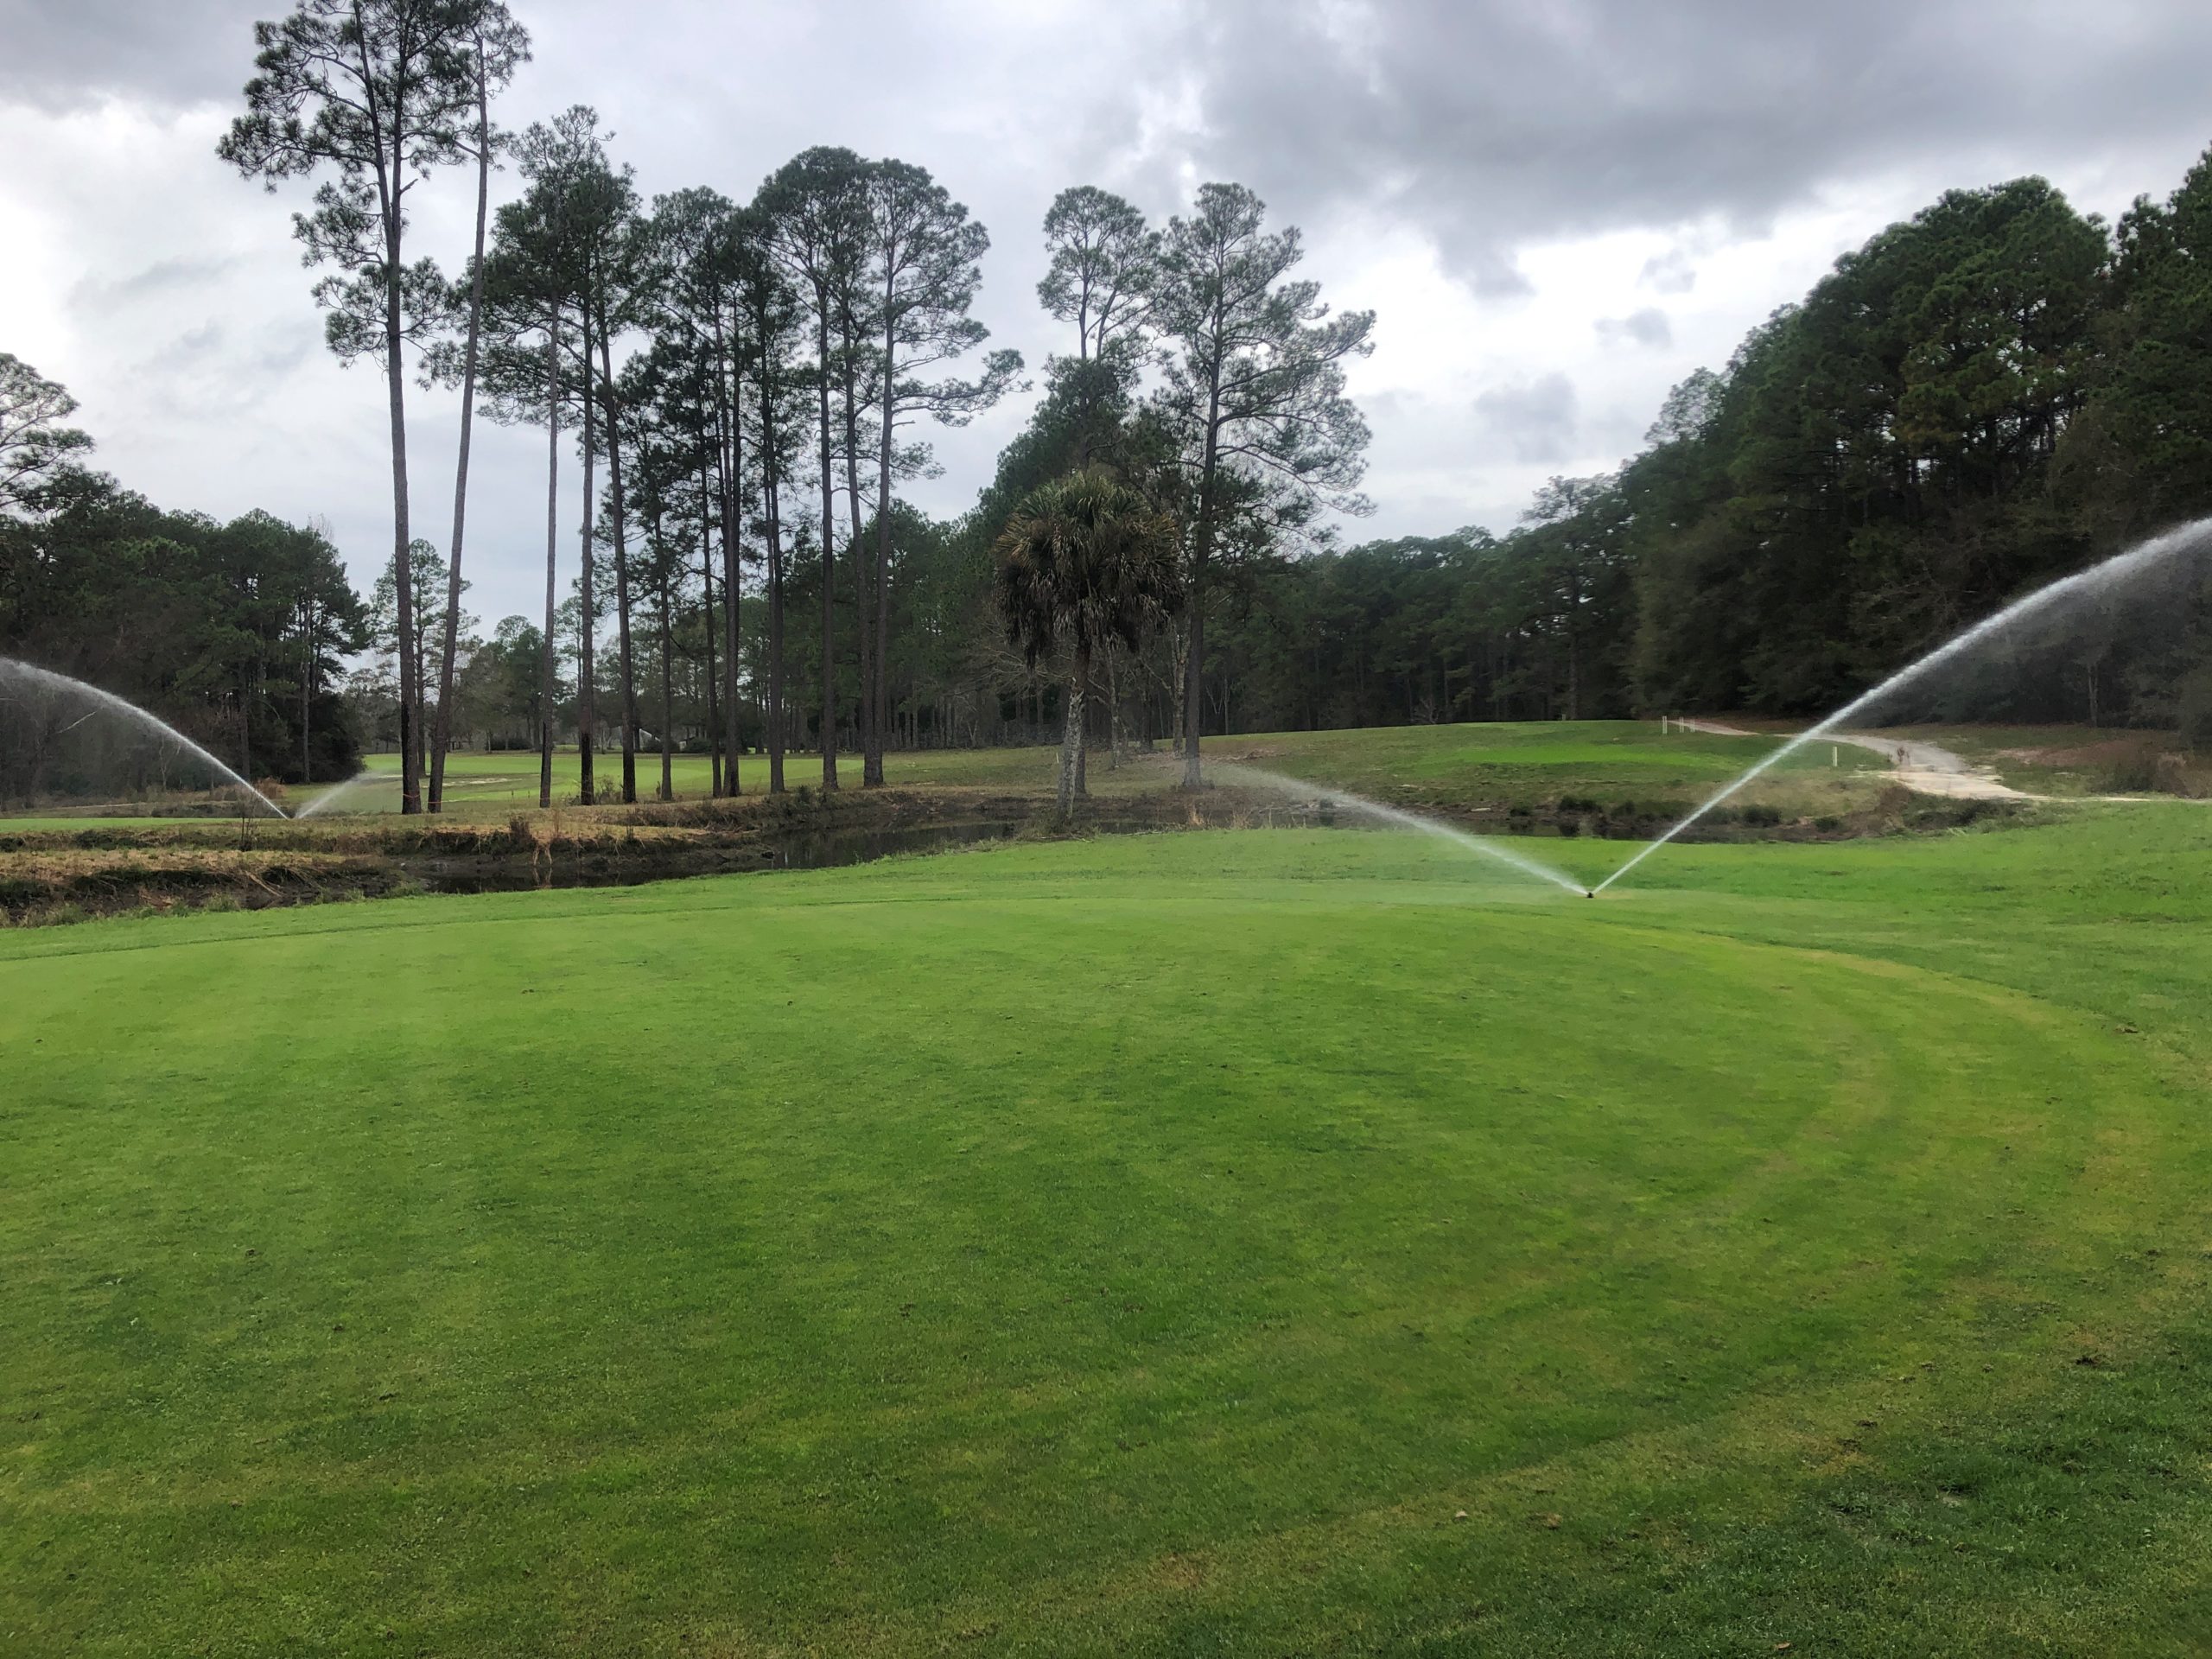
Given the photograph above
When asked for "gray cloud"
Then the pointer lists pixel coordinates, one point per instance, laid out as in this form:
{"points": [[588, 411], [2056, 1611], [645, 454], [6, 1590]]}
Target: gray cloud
{"points": [[168, 294], [1535, 420], [1670, 272], [1647, 328], [64, 54], [1491, 123], [165, 281], [1495, 123]]}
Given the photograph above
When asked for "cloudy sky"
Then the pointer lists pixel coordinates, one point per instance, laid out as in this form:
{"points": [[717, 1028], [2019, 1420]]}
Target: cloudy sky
{"points": [[1559, 207]]}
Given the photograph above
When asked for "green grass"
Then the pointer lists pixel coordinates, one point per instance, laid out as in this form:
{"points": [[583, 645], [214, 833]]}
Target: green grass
{"points": [[478, 784], [1215, 1243], [55, 824], [1536, 762], [1530, 764]]}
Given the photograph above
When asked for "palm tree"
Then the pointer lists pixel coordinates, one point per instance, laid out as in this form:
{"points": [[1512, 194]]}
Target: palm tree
{"points": [[1087, 559]]}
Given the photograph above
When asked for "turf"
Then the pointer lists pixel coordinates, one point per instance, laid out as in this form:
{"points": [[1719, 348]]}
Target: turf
{"points": [[1535, 765], [478, 782], [55, 822], [1526, 764], [1252, 1243], [1537, 762]]}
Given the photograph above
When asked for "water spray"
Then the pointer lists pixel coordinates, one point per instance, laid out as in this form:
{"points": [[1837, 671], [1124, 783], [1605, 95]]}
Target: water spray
{"points": [[324, 801], [11, 666], [2140, 557], [1404, 820]]}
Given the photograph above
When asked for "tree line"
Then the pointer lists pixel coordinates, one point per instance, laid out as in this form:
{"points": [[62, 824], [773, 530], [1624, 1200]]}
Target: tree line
{"points": [[745, 385], [732, 394], [1993, 393], [236, 633]]}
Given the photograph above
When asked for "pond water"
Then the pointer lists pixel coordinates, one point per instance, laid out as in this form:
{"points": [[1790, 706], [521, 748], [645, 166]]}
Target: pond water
{"points": [[817, 851]]}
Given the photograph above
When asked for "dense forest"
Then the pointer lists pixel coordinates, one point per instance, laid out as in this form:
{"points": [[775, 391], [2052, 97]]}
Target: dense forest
{"points": [[1992, 393], [238, 633], [730, 395]]}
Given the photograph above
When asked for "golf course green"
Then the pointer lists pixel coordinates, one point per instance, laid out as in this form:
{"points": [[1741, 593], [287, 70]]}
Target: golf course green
{"points": [[1317, 1242], [1527, 762]]}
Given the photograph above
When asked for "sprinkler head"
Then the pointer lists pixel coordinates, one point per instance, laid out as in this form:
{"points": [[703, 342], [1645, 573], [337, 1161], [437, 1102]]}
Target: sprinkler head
{"points": [[1589, 893]]}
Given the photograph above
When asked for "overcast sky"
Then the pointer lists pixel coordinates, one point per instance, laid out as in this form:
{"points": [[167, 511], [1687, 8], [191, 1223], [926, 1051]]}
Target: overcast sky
{"points": [[1558, 207]]}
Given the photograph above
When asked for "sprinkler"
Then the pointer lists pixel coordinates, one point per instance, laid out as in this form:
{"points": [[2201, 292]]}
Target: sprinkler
{"points": [[2191, 537], [1589, 893]]}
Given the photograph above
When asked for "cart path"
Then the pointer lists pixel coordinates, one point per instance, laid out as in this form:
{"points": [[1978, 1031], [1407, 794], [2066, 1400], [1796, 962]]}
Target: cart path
{"points": [[1925, 768]]}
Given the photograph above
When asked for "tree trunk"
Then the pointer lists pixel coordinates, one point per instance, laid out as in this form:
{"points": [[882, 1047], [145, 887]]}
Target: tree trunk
{"points": [[587, 620], [424, 624], [829, 563], [871, 742], [441, 740], [732, 555], [1201, 547], [307, 690], [667, 697], [1071, 737], [879, 691], [726, 456], [402, 568], [1113, 710], [1083, 721], [714, 785], [552, 545], [774, 713], [621, 572]]}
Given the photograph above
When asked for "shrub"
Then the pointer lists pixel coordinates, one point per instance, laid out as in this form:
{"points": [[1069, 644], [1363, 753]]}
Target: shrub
{"points": [[2134, 771], [2187, 777], [2196, 709]]}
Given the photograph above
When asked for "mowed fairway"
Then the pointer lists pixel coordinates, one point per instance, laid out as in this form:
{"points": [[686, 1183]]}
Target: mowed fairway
{"points": [[1525, 763], [479, 785], [1226, 1242]]}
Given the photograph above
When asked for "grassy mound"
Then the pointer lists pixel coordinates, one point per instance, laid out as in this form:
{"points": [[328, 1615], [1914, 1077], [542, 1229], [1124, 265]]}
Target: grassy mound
{"points": [[1240, 1243]]}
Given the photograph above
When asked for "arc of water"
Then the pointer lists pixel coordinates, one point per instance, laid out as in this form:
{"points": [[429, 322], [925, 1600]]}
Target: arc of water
{"points": [[323, 802], [2140, 557], [1275, 780], [47, 677]]}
